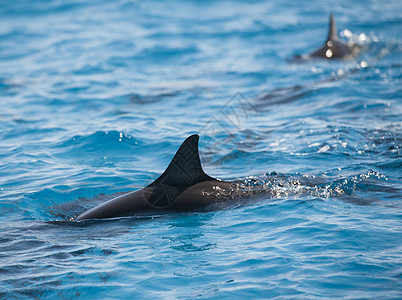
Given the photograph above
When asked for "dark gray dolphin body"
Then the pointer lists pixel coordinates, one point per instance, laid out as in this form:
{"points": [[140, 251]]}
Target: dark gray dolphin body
{"points": [[333, 47], [183, 186]]}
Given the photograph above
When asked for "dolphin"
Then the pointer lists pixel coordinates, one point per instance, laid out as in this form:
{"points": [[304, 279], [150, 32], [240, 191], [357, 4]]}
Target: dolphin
{"points": [[334, 47], [183, 186]]}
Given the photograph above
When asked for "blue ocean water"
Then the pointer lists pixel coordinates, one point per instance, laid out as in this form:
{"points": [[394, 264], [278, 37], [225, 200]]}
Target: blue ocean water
{"points": [[97, 96]]}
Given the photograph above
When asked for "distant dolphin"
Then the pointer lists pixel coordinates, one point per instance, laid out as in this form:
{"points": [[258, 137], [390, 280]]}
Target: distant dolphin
{"points": [[333, 47], [183, 186]]}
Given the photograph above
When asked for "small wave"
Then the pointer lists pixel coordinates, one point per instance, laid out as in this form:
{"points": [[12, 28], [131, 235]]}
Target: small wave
{"points": [[98, 142]]}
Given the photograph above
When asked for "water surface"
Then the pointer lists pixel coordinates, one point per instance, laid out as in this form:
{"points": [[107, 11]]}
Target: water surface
{"points": [[96, 97]]}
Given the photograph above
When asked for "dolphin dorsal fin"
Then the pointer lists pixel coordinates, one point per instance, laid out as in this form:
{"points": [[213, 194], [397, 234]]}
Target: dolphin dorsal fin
{"points": [[185, 168], [332, 31]]}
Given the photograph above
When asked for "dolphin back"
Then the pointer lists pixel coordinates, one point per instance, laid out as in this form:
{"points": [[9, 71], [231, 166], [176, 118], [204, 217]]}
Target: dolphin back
{"points": [[183, 173], [333, 46]]}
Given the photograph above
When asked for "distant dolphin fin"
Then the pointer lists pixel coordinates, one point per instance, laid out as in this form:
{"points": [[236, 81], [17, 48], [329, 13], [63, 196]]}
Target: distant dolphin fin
{"points": [[332, 31], [185, 168]]}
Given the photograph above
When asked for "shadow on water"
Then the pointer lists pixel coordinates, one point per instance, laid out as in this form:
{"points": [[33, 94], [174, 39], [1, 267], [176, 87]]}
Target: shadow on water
{"points": [[136, 98]]}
